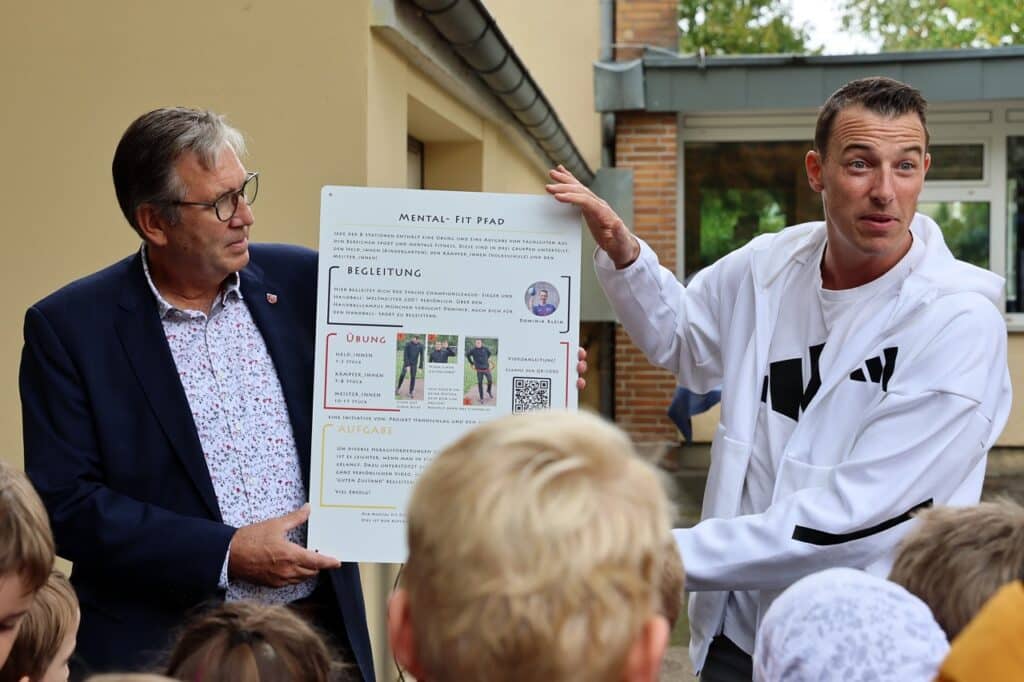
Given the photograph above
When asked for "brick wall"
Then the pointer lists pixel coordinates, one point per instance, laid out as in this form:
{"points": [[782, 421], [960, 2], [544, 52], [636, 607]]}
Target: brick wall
{"points": [[646, 142], [645, 22]]}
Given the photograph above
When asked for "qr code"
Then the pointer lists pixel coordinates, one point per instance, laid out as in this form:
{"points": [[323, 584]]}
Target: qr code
{"points": [[531, 393]]}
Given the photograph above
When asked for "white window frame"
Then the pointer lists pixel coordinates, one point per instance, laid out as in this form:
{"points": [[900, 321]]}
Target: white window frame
{"points": [[988, 123]]}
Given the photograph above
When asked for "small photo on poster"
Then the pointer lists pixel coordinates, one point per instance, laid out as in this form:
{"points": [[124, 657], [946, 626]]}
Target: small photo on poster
{"points": [[481, 354], [442, 348], [410, 353], [541, 298]]}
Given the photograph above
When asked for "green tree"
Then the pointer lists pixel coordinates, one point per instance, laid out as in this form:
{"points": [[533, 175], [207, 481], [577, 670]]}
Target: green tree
{"points": [[730, 218], [740, 27], [936, 24]]}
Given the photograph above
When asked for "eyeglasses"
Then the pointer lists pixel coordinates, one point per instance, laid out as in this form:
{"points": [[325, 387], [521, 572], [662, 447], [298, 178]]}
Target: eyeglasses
{"points": [[226, 205]]}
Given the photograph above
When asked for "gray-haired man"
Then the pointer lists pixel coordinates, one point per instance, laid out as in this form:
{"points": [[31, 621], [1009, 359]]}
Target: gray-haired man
{"points": [[167, 413]]}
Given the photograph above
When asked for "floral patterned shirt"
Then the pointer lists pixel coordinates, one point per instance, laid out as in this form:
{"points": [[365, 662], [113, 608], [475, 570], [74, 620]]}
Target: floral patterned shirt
{"points": [[242, 420]]}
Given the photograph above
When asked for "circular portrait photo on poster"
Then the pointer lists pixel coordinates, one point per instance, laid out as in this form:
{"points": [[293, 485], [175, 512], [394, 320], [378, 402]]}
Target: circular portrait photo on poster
{"points": [[541, 298]]}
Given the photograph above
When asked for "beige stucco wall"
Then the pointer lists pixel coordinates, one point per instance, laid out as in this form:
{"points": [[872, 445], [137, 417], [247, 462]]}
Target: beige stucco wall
{"points": [[559, 42], [321, 99], [75, 74], [1014, 432], [464, 151]]}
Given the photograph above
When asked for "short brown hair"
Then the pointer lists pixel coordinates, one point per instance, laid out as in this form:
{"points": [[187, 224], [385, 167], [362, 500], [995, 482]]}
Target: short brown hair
{"points": [[958, 557], [248, 642], [881, 95], [536, 547], [26, 541], [51, 618]]}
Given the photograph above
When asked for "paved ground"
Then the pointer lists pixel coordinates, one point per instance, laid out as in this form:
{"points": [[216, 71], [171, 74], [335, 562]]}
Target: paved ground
{"points": [[472, 397], [676, 665], [402, 392], [687, 468]]}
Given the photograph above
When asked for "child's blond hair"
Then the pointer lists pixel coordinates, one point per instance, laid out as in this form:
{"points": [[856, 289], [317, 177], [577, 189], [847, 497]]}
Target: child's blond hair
{"points": [[51, 618], [26, 542], [537, 551], [673, 579]]}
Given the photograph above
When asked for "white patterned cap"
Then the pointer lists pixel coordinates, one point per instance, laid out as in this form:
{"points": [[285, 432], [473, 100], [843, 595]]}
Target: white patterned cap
{"points": [[844, 624]]}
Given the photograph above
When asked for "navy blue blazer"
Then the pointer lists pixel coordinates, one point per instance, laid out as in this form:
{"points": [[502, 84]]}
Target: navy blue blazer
{"points": [[111, 447]]}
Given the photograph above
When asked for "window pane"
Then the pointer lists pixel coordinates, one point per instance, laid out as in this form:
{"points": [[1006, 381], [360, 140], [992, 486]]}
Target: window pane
{"points": [[957, 162], [964, 225], [737, 190], [1014, 224]]}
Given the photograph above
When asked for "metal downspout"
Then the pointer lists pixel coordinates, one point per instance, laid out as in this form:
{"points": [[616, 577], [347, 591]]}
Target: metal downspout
{"points": [[606, 361], [474, 36], [607, 55]]}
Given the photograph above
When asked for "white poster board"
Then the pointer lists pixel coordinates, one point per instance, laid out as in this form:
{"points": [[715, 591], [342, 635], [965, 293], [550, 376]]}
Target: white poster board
{"points": [[479, 292]]}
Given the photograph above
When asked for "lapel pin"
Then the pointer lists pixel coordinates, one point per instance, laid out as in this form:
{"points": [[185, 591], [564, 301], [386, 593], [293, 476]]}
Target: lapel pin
{"points": [[271, 299]]}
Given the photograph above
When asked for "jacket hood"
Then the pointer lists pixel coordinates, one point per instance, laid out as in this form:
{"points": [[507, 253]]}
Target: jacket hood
{"points": [[947, 274], [938, 273]]}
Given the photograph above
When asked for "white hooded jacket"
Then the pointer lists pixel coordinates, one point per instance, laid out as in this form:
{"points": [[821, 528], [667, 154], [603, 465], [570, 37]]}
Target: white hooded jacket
{"points": [[914, 391]]}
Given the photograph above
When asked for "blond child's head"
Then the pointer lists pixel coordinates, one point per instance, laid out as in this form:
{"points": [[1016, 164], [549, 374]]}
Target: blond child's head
{"points": [[47, 636], [536, 552], [958, 557], [26, 552]]}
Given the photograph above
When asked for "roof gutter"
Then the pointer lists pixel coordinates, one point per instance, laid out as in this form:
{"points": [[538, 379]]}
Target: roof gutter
{"points": [[471, 32]]}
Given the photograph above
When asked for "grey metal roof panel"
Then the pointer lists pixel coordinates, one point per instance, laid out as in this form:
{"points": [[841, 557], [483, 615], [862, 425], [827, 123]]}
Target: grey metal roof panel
{"points": [[730, 83], [619, 86], [777, 88], [1000, 77], [658, 59], [841, 74]]}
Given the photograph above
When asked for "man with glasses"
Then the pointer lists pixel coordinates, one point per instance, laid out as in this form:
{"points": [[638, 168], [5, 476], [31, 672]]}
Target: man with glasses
{"points": [[167, 413]]}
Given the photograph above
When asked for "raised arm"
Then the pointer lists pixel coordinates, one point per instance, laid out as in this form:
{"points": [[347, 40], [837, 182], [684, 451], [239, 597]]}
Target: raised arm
{"points": [[676, 327], [607, 228], [924, 442]]}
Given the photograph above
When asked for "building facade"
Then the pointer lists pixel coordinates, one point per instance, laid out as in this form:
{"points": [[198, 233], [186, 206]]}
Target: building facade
{"points": [[715, 147]]}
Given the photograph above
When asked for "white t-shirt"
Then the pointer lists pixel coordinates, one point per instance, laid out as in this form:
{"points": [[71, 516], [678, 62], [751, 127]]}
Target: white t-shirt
{"points": [[807, 314]]}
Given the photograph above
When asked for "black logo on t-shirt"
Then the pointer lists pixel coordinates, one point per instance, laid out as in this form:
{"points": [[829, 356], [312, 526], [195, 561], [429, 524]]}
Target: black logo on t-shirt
{"points": [[785, 380], [879, 370]]}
